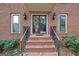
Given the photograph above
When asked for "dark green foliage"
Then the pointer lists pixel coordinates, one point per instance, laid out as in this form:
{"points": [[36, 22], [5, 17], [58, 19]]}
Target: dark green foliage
{"points": [[12, 52], [8, 46], [1, 46], [9, 52], [72, 43]]}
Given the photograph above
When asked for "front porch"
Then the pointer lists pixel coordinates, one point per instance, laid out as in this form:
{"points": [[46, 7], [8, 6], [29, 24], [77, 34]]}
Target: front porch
{"points": [[45, 44], [37, 38]]}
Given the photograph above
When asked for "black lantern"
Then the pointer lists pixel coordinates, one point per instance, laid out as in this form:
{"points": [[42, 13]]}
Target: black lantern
{"points": [[25, 17], [53, 17]]}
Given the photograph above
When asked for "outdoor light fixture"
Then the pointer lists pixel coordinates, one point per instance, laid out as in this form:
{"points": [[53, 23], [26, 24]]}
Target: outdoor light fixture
{"points": [[25, 17], [53, 17]]}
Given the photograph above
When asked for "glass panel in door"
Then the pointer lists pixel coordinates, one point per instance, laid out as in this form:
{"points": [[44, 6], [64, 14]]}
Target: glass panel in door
{"points": [[39, 24], [35, 24], [42, 24]]}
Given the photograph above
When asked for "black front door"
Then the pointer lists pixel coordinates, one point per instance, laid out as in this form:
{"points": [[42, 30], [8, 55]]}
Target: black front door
{"points": [[39, 24]]}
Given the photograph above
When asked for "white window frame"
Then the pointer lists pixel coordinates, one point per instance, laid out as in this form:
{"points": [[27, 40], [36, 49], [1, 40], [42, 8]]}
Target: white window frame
{"points": [[59, 23], [12, 22]]}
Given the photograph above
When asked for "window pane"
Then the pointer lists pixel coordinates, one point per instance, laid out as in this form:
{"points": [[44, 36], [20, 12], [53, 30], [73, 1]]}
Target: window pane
{"points": [[42, 24], [15, 19], [15, 23], [35, 23], [62, 23], [15, 27]]}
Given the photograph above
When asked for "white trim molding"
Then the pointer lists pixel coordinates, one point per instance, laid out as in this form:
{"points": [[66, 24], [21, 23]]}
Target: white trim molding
{"points": [[65, 23], [13, 14]]}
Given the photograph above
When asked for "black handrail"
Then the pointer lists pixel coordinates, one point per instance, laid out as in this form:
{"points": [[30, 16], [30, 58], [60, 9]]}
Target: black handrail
{"points": [[56, 39], [24, 38]]}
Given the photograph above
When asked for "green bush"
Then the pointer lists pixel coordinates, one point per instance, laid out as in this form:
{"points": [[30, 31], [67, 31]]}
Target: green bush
{"points": [[1, 46], [9, 52], [13, 52], [8, 45], [72, 43]]}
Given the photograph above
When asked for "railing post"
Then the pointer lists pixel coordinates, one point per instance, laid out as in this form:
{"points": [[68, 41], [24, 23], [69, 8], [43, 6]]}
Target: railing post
{"points": [[21, 53], [58, 51], [55, 38], [23, 40]]}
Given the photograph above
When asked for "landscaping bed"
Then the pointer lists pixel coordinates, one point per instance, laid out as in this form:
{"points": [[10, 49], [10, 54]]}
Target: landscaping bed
{"points": [[10, 47], [71, 43]]}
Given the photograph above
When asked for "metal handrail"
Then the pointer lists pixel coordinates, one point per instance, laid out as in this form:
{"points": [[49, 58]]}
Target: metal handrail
{"points": [[56, 39], [23, 40]]}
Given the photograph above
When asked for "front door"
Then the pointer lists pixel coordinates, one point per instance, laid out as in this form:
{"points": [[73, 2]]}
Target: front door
{"points": [[39, 24]]}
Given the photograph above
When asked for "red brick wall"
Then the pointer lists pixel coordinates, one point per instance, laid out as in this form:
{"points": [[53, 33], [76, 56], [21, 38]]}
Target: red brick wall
{"points": [[73, 17], [5, 20]]}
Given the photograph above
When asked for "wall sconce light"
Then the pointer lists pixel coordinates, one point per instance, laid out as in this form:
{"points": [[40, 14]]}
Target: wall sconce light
{"points": [[53, 17], [25, 16]]}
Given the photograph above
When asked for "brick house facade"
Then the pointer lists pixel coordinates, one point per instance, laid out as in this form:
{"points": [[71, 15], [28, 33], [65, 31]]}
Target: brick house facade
{"points": [[6, 10], [39, 17]]}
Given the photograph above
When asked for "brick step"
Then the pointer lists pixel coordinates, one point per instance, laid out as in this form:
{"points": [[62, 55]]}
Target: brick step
{"points": [[40, 46], [40, 49], [41, 54], [36, 36], [40, 38], [39, 43], [30, 40]]}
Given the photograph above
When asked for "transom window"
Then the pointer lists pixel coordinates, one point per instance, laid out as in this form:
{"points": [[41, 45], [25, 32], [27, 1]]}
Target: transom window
{"points": [[62, 22], [15, 23]]}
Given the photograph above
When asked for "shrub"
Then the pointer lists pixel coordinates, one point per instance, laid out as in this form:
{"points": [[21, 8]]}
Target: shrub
{"points": [[72, 43], [1, 46], [9, 52], [13, 52], [8, 46]]}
